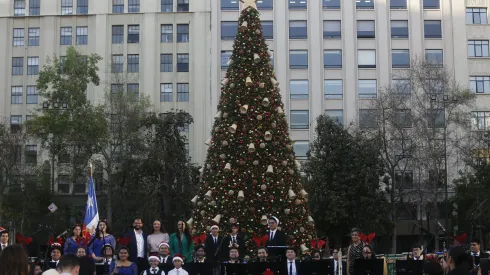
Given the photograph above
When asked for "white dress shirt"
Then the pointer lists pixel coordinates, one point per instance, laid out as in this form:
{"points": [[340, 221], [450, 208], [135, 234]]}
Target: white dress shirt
{"points": [[108, 261], [140, 243], [163, 260], [477, 254], [153, 271], [179, 271], [335, 266], [293, 262], [4, 245]]}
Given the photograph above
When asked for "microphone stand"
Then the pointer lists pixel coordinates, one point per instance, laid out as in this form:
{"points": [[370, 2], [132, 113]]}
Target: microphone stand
{"points": [[47, 247]]}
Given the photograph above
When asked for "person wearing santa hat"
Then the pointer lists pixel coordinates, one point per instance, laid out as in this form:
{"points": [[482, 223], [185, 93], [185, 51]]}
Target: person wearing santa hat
{"points": [[55, 252], [154, 261], [164, 253], [212, 245], [178, 262], [4, 238], [276, 243]]}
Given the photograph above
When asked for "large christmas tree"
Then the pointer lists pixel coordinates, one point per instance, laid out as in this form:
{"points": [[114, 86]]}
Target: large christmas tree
{"points": [[251, 172]]}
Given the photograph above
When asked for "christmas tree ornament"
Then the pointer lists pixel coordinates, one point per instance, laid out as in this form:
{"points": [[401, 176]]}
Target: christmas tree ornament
{"points": [[262, 85], [232, 128], [203, 212], [224, 82], [267, 136], [289, 146], [287, 211], [263, 220], [259, 117], [241, 196], [304, 249], [231, 192], [298, 164], [243, 109], [262, 145], [256, 162], [248, 81], [292, 141], [291, 194], [225, 143], [208, 195], [217, 115], [298, 201], [265, 102], [256, 58], [279, 110], [201, 170], [270, 53], [270, 169], [310, 219], [244, 26], [285, 162], [274, 82], [273, 125], [199, 203], [303, 211], [303, 193], [251, 148], [190, 222], [216, 129], [228, 167], [212, 203], [257, 31], [208, 166], [217, 219], [194, 200], [230, 62], [225, 115], [263, 187], [302, 229], [222, 156], [208, 142], [208, 228], [232, 85]]}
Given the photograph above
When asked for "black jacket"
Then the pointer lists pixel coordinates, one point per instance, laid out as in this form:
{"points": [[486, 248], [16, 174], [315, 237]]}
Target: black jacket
{"points": [[133, 247], [285, 267], [278, 240], [225, 247], [211, 248]]}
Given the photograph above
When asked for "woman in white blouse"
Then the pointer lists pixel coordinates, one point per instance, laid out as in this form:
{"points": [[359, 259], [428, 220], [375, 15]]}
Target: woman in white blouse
{"points": [[158, 236]]}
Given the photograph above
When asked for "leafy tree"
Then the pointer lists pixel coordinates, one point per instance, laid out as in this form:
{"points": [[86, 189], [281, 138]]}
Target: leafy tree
{"points": [[343, 178]]}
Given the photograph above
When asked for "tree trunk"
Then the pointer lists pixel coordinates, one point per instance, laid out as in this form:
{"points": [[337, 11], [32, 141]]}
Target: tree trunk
{"points": [[1, 205], [167, 205], [393, 210], [109, 193], [436, 228]]}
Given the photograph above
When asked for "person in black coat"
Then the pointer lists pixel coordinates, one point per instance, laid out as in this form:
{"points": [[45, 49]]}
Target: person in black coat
{"points": [[233, 239], [276, 238], [212, 245], [336, 261], [4, 238], [291, 266], [137, 245], [477, 254]]}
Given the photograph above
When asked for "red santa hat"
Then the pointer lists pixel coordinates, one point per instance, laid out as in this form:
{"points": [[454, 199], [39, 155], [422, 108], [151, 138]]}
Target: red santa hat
{"points": [[153, 258], [177, 257], [163, 244]]}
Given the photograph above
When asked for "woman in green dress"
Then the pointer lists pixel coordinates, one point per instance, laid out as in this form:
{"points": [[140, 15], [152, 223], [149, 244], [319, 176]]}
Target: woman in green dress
{"points": [[181, 242]]}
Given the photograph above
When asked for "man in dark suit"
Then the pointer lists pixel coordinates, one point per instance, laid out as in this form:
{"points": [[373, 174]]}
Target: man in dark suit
{"points": [[276, 238], [4, 238], [291, 266], [212, 244], [336, 261], [137, 245], [477, 254], [233, 239]]}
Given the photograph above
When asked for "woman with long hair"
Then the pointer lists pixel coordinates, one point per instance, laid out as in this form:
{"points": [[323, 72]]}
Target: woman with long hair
{"points": [[75, 241], [158, 236], [355, 250], [181, 242], [13, 261], [368, 252], [123, 266], [101, 237]]}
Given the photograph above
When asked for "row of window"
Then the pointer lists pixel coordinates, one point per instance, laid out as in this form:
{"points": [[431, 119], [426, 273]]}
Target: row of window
{"points": [[32, 65], [328, 4], [134, 6], [298, 29], [166, 63], [166, 33], [167, 92], [17, 95], [66, 36]]}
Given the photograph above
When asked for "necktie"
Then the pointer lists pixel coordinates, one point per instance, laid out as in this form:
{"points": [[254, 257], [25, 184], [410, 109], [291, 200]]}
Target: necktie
{"points": [[290, 268], [272, 235], [154, 271], [215, 240], [233, 240], [475, 254]]}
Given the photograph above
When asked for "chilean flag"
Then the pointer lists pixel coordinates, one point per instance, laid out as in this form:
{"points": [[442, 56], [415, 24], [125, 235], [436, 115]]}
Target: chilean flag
{"points": [[91, 212]]}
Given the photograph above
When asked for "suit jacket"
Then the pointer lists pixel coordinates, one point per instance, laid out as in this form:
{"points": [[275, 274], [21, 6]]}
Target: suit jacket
{"points": [[344, 268], [278, 240], [133, 247], [211, 248], [285, 267], [168, 261], [225, 248], [1, 248]]}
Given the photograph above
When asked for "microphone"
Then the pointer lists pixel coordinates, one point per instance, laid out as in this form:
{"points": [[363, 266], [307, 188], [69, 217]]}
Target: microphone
{"points": [[64, 232], [441, 227]]}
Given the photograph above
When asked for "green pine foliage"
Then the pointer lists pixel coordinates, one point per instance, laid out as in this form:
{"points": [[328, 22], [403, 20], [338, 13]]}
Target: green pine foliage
{"points": [[250, 152]]}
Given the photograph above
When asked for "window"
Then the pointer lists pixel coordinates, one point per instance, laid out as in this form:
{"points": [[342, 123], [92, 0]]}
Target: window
{"points": [[29, 117], [480, 120], [31, 154], [229, 5], [167, 5], [332, 59], [268, 29], [16, 95], [298, 59], [403, 118], [478, 48], [117, 63], [82, 36], [182, 62], [432, 29], [133, 33], [404, 179], [399, 29], [332, 29], [400, 58], [166, 33], [82, 6], [18, 37], [398, 4], [117, 34], [265, 4], [299, 119], [367, 118], [183, 33], [66, 7], [297, 4], [431, 4], [480, 84], [133, 63], [331, 4], [19, 7], [364, 4], [336, 115], [434, 86], [366, 58], [332, 88], [134, 88], [166, 63], [32, 95], [436, 118], [228, 30], [225, 57], [476, 16], [15, 122], [34, 7], [298, 89], [117, 88], [63, 184], [365, 29], [33, 65], [117, 6], [434, 57], [182, 92], [65, 36], [298, 30], [33, 38], [182, 5], [133, 6], [401, 87], [301, 148], [62, 63], [17, 65], [402, 148], [367, 88], [166, 92]]}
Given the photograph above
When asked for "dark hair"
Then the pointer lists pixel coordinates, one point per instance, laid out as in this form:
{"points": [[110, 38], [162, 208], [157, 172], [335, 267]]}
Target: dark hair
{"points": [[234, 247], [68, 262], [355, 229], [73, 228], [4, 232], [107, 230], [373, 255], [416, 246], [199, 246], [460, 257], [82, 247], [162, 228], [87, 266], [16, 257], [123, 248], [291, 248], [313, 252], [104, 247], [264, 248], [433, 268], [477, 241], [187, 235]]}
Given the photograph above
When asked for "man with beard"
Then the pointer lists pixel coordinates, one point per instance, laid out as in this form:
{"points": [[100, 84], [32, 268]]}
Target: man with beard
{"points": [[137, 245]]}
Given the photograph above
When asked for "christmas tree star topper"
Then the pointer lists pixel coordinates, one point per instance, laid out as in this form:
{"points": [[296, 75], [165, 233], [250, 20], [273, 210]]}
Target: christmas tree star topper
{"points": [[249, 3]]}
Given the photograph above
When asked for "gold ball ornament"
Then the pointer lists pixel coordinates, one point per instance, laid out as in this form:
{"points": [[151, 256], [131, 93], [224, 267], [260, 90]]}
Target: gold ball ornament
{"points": [[256, 162], [262, 145], [225, 143], [301, 229], [263, 187], [298, 201]]}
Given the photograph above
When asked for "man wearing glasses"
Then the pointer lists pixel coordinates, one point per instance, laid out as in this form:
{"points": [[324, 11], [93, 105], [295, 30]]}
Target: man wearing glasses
{"points": [[276, 244], [137, 245], [336, 261]]}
